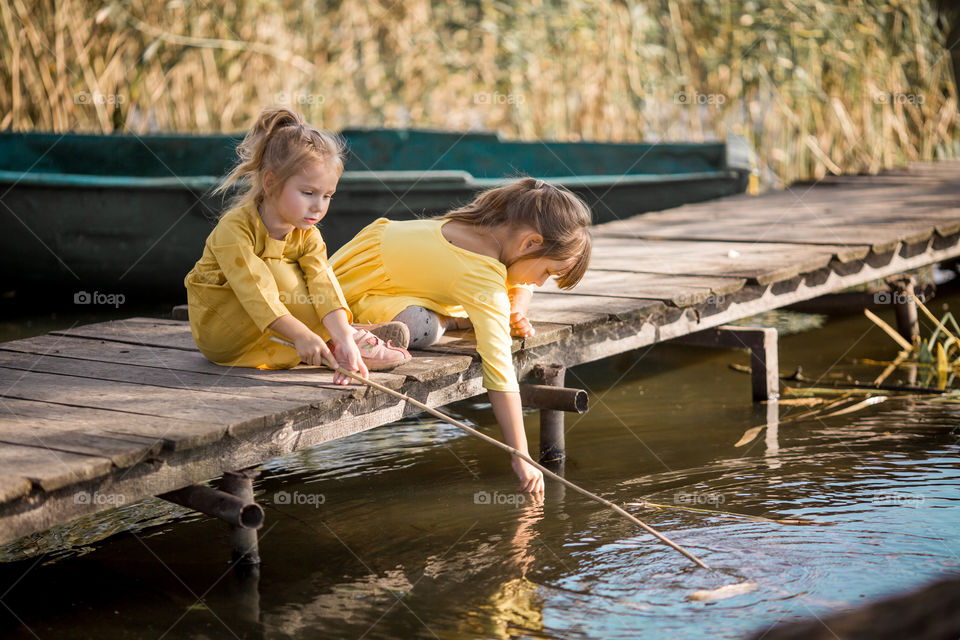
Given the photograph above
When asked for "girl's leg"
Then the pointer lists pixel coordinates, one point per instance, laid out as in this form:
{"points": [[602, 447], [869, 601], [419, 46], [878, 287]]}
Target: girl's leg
{"points": [[426, 327]]}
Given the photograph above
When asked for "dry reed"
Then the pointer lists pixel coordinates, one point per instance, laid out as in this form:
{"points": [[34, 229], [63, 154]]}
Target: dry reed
{"points": [[817, 87]]}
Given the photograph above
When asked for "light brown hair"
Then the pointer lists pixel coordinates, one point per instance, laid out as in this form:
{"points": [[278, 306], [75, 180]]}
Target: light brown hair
{"points": [[280, 142], [562, 218]]}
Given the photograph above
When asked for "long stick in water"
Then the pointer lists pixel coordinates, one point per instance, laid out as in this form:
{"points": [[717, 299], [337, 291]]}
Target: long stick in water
{"points": [[439, 414]]}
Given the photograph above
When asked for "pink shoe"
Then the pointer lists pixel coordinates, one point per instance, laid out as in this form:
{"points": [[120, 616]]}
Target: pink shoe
{"points": [[377, 354], [395, 332]]}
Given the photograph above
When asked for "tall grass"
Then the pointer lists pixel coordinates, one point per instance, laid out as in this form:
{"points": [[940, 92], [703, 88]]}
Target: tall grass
{"points": [[817, 87]]}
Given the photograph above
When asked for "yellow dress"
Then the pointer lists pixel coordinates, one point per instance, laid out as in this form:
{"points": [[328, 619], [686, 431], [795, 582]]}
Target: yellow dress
{"points": [[246, 280], [391, 265]]}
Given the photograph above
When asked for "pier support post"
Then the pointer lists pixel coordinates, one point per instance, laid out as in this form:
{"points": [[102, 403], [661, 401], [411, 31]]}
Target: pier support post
{"points": [[764, 361], [551, 420], [244, 547], [903, 289]]}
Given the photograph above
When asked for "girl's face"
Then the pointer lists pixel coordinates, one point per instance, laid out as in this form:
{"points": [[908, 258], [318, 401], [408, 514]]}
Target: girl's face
{"points": [[305, 197], [536, 270]]}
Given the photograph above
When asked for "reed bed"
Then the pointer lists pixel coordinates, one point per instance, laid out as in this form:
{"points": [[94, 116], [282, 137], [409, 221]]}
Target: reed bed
{"points": [[817, 87]]}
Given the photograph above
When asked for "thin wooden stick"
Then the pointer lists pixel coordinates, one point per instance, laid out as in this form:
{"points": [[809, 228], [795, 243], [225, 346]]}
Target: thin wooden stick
{"points": [[900, 340], [725, 514], [439, 414]]}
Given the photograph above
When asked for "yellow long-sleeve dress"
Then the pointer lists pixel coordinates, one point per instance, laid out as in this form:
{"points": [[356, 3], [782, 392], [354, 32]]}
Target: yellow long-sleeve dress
{"points": [[245, 280], [391, 265]]}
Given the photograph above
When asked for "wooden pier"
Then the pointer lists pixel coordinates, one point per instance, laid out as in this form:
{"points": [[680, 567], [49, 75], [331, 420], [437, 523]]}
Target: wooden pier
{"points": [[107, 414]]}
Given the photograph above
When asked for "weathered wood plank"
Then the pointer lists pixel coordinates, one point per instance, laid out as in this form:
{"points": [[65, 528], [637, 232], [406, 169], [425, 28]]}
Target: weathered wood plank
{"points": [[314, 386], [12, 487], [142, 331], [203, 406], [172, 433], [122, 451], [760, 262], [680, 291], [464, 342], [50, 469], [194, 361]]}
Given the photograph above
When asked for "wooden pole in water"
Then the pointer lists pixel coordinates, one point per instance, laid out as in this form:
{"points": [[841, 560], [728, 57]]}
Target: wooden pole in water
{"points": [[439, 414]]}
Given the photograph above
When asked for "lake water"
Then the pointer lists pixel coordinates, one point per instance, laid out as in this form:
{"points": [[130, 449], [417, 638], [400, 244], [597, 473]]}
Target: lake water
{"points": [[412, 530]]}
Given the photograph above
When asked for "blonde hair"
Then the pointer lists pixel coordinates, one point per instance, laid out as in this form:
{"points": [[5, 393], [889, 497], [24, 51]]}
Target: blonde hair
{"points": [[562, 218], [280, 142]]}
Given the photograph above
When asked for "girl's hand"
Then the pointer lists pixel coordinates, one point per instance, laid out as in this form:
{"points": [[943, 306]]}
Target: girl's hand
{"points": [[520, 326], [348, 355], [313, 350], [531, 478]]}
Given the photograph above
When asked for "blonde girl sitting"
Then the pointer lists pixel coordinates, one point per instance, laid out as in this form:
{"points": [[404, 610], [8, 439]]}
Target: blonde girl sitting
{"points": [[264, 268], [470, 266]]}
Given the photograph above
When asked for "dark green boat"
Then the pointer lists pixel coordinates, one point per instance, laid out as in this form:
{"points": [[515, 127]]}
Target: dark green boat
{"points": [[126, 213]]}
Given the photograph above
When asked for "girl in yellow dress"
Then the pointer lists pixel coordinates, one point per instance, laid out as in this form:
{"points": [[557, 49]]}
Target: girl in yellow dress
{"points": [[473, 265], [264, 268]]}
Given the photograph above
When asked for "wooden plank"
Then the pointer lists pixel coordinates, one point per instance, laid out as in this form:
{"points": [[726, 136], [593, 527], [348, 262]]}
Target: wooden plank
{"points": [[135, 399], [760, 262], [194, 361], [173, 433], [881, 237], [50, 469], [12, 487], [585, 310], [315, 385], [122, 451], [142, 331], [464, 342], [680, 291]]}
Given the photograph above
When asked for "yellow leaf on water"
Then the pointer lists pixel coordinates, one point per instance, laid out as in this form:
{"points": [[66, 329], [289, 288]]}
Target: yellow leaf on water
{"points": [[749, 435]]}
